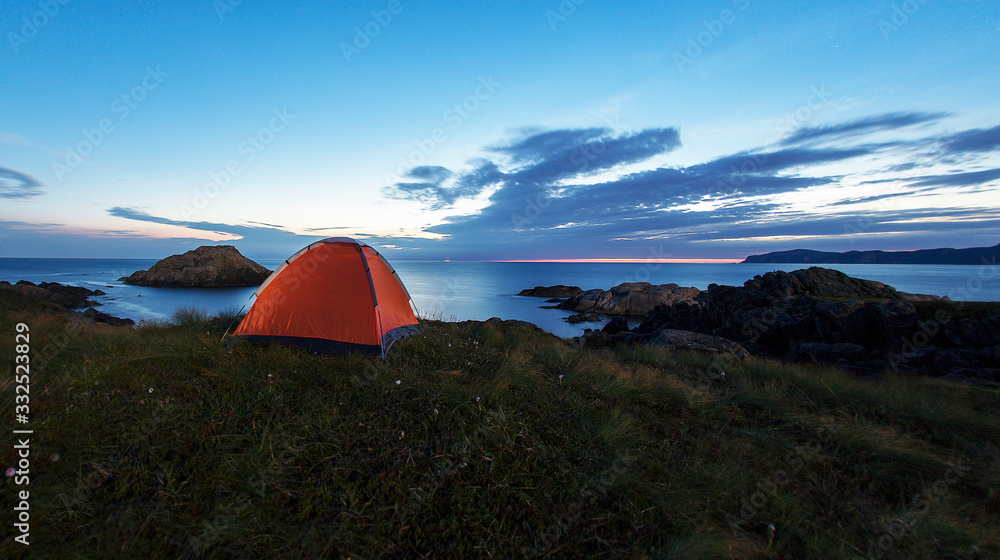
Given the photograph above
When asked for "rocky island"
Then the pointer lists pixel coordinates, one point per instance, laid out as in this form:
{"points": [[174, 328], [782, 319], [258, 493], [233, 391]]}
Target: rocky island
{"points": [[970, 256], [208, 266]]}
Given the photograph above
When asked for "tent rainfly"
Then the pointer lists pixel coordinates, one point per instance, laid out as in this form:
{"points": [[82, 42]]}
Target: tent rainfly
{"points": [[336, 296]]}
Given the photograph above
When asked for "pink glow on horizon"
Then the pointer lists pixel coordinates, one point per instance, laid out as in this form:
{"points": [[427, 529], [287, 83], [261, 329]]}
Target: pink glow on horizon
{"points": [[628, 261]]}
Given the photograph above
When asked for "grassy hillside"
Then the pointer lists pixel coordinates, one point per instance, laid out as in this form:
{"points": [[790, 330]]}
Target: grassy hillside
{"points": [[485, 441]]}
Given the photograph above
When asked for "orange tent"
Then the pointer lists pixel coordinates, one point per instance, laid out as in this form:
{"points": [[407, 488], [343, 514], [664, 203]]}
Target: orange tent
{"points": [[336, 296]]}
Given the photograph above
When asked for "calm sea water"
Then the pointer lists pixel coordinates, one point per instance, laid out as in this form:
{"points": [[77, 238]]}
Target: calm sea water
{"points": [[480, 290]]}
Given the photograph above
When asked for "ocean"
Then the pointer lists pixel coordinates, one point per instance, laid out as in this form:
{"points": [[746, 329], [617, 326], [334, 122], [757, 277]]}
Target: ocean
{"points": [[455, 291]]}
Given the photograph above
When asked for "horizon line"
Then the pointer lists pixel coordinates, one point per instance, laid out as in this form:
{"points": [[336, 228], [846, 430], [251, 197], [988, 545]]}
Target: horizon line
{"points": [[627, 261]]}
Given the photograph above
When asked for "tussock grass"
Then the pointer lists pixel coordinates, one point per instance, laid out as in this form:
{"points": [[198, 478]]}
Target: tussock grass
{"points": [[496, 441], [190, 317]]}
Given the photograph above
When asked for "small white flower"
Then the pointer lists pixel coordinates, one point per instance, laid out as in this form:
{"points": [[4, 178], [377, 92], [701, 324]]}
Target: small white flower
{"points": [[269, 376], [560, 377], [398, 382], [477, 399], [435, 412], [150, 389]]}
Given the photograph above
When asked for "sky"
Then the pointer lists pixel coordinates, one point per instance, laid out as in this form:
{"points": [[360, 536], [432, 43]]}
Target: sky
{"points": [[488, 130]]}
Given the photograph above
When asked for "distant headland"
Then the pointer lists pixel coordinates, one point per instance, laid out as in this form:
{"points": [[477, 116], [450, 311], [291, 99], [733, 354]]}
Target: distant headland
{"points": [[974, 255]]}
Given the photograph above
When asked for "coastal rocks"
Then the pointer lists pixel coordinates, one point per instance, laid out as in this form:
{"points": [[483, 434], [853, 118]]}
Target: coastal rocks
{"points": [[497, 321], [70, 297], [582, 318], [668, 339], [557, 291], [629, 299], [922, 297], [824, 316], [616, 325], [98, 317], [63, 299], [819, 282], [671, 339], [220, 266]]}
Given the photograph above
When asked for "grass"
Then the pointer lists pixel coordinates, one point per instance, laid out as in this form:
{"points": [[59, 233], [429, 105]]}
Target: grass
{"points": [[487, 441]]}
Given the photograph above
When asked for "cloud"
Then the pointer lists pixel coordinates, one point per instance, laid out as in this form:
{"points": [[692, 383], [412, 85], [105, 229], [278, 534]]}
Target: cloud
{"points": [[578, 190], [8, 138], [14, 184], [887, 121], [534, 160], [967, 179], [270, 240], [430, 187], [769, 163], [977, 140], [260, 235]]}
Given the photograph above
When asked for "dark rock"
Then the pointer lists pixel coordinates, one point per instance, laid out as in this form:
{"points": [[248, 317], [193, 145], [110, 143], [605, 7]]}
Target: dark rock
{"points": [[219, 266], [557, 291], [99, 317], [922, 297], [669, 339], [616, 325], [70, 297], [555, 300], [575, 318], [819, 315], [672, 339], [500, 322], [631, 299], [832, 353], [592, 318]]}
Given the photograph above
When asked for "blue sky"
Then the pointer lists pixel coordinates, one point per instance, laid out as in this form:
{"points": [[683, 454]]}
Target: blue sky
{"points": [[495, 130]]}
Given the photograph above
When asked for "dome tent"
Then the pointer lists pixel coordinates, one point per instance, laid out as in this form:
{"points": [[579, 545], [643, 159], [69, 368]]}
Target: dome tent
{"points": [[335, 296]]}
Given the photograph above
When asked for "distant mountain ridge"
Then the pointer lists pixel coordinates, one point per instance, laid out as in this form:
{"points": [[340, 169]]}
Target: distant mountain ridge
{"points": [[974, 255]]}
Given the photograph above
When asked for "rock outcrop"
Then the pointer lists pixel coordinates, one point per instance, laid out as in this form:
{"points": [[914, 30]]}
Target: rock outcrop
{"points": [[630, 299], [219, 266], [669, 339], [824, 316], [70, 297], [64, 299], [557, 291], [99, 317]]}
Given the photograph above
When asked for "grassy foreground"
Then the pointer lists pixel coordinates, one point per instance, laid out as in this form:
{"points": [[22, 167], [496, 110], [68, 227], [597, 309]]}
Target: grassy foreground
{"points": [[483, 442]]}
